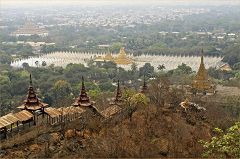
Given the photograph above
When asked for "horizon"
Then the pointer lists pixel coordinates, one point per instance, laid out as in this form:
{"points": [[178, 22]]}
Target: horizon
{"points": [[31, 3]]}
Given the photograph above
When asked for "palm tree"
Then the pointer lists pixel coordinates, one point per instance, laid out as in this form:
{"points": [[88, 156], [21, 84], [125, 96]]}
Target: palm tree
{"points": [[161, 67]]}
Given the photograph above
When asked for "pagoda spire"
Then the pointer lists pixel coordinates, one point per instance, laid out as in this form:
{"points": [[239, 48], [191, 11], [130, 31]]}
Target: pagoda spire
{"points": [[83, 91], [30, 79], [83, 99], [202, 72], [32, 102], [144, 87], [119, 93], [201, 83]]}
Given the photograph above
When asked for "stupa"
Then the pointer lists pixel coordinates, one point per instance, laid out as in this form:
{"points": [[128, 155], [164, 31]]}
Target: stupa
{"points": [[122, 58], [201, 83]]}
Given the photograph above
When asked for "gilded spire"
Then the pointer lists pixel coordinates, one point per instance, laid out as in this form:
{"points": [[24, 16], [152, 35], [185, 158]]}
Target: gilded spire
{"points": [[201, 82], [202, 72]]}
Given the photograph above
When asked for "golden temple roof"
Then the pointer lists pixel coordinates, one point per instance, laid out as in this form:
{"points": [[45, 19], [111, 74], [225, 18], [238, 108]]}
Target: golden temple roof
{"points": [[108, 57], [122, 58]]}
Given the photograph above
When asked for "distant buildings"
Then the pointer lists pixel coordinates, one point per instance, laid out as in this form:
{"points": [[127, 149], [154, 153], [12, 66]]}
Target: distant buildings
{"points": [[30, 29]]}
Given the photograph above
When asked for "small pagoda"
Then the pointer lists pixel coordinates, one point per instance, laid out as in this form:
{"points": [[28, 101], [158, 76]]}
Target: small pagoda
{"points": [[83, 100], [122, 58], [32, 103], [144, 88], [118, 98], [201, 83]]}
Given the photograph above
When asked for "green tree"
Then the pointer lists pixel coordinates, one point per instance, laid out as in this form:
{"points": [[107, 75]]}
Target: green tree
{"points": [[146, 70], [224, 145], [61, 93]]}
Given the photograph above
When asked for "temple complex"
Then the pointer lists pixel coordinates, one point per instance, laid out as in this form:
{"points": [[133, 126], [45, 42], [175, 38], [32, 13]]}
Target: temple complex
{"points": [[83, 100], [121, 58], [32, 103], [30, 29], [201, 83]]}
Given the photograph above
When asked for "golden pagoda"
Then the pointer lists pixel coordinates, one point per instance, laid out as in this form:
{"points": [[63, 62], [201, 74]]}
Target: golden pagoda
{"points": [[122, 58], [201, 83]]}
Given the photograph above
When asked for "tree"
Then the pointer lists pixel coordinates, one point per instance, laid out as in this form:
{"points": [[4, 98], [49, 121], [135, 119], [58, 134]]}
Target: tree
{"points": [[236, 66], [109, 64], [37, 63], [224, 145], [146, 70], [184, 68], [161, 67], [25, 65], [61, 93], [44, 63], [159, 91], [5, 59]]}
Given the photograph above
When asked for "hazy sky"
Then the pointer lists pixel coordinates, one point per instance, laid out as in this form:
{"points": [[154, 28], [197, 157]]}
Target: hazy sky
{"points": [[19, 3]]}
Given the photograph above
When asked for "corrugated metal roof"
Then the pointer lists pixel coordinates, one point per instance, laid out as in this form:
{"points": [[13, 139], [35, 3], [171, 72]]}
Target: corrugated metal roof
{"points": [[110, 111], [7, 120], [53, 112], [23, 115], [36, 107]]}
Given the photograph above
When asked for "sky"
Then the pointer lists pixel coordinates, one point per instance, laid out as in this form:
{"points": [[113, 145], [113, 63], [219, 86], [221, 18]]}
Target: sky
{"points": [[19, 3]]}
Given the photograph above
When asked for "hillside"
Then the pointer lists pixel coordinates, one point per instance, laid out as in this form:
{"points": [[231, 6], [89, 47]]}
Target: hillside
{"points": [[152, 132]]}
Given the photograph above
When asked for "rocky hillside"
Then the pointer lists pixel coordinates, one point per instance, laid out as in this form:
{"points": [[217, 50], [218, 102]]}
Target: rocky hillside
{"points": [[151, 132]]}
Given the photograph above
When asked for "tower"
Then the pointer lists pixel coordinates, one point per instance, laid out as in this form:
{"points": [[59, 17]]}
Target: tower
{"points": [[144, 88], [32, 103], [201, 82], [118, 97], [83, 100]]}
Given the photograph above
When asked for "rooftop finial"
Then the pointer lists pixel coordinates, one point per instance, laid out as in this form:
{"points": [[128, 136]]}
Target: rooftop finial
{"points": [[83, 86], [119, 94], [30, 81], [144, 81], [202, 56]]}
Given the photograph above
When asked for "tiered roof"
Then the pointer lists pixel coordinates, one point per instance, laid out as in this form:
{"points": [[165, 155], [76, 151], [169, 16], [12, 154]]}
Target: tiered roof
{"points": [[32, 102], [83, 99], [144, 88]]}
